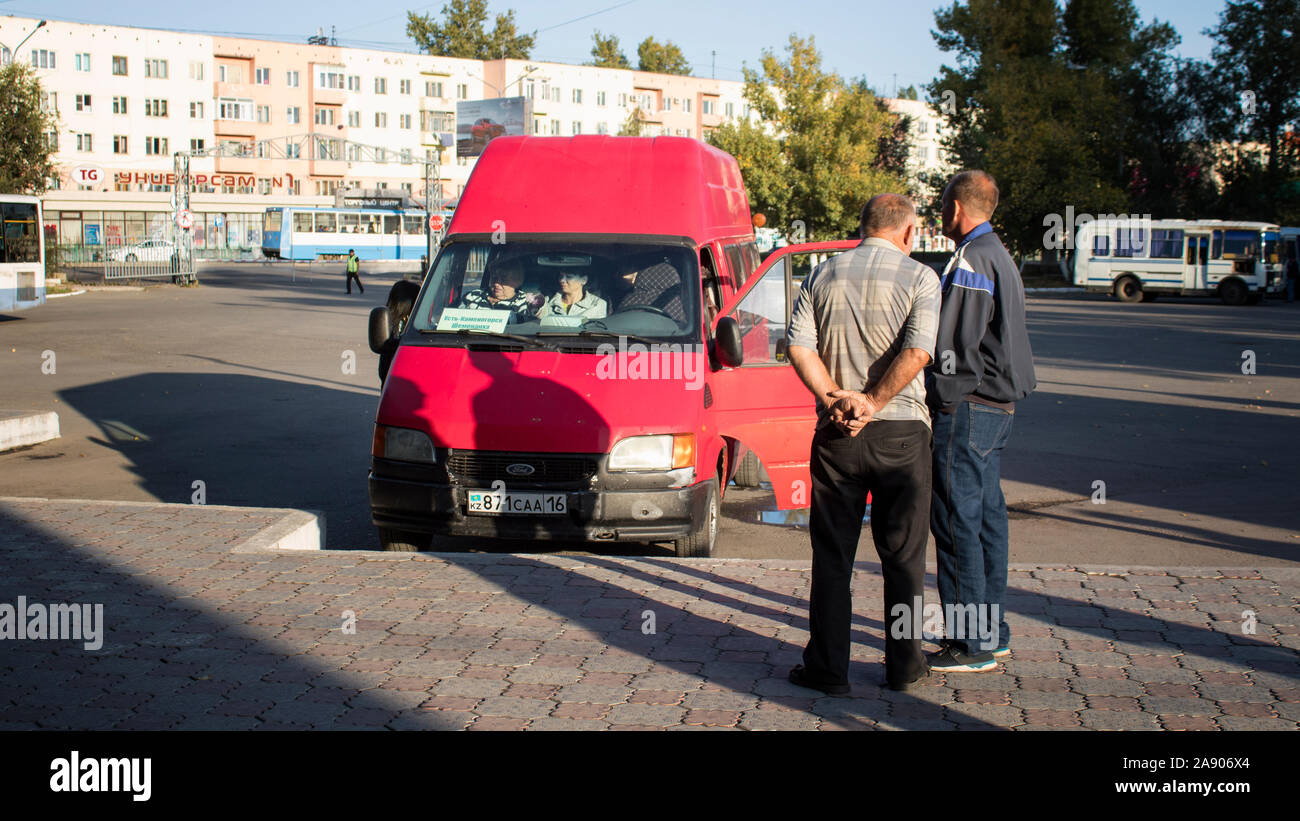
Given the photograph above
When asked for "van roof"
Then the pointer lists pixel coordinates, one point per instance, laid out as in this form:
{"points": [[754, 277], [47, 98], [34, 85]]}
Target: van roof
{"points": [[596, 184]]}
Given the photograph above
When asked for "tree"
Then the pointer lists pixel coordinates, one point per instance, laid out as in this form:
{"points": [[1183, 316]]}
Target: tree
{"points": [[27, 159], [632, 126], [815, 153], [661, 58], [462, 33], [605, 52], [908, 93]]}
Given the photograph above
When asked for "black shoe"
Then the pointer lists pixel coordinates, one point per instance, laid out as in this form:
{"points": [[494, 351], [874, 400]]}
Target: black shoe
{"points": [[799, 676], [904, 686], [951, 660]]}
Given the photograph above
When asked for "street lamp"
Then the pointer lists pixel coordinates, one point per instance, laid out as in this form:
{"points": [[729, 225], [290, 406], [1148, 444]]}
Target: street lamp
{"points": [[14, 53]]}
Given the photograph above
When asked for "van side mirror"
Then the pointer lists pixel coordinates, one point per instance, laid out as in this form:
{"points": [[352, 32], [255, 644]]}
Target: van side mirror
{"points": [[727, 339], [378, 329]]}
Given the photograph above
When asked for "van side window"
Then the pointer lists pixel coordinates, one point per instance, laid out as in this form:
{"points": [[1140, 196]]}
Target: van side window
{"points": [[762, 318], [753, 259], [736, 264], [712, 291]]}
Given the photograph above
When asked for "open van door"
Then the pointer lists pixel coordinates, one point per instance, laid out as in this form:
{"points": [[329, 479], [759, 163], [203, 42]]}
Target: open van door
{"points": [[761, 403]]}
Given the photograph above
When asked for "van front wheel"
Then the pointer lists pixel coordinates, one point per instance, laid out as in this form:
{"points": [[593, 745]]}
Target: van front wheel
{"points": [[699, 543], [403, 541]]}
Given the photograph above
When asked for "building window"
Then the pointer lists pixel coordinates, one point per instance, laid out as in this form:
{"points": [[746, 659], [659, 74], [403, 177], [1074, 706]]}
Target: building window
{"points": [[155, 68], [196, 145], [50, 101], [381, 120], [119, 143], [84, 143], [155, 146], [602, 128], [667, 104], [196, 71], [555, 128], [329, 78], [291, 79], [404, 120], [577, 95], [119, 105], [404, 86], [52, 140], [354, 119], [432, 88], [381, 85], [196, 111], [600, 98], [83, 103], [354, 82], [708, 107], [622, 100], [462, 91], [262, 76], [555, 94], [576, 127], [731, 109], [324, 116], [230, 108], [82, 61], [293, 115], [293, 151], [264, 114], [155, 108], [41, 58]]}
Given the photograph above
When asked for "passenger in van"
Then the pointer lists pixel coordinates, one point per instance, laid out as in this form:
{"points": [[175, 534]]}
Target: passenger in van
{"points": [[502, 294], [657, 285], [574, 299]]}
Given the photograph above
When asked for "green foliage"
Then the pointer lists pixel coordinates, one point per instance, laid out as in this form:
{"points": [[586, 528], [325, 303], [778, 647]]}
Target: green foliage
{"points": [[632, 125], [661, 58], [605, 52], [463, 33], [26, 160], [815, 153], [908, 93]]}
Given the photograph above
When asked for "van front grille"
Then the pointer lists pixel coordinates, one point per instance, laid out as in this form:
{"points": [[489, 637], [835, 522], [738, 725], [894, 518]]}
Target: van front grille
{"points": [[548, 468]]}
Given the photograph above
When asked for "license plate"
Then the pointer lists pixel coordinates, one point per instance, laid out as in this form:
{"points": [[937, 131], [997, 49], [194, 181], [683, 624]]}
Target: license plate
{"points": [[508, 503]]}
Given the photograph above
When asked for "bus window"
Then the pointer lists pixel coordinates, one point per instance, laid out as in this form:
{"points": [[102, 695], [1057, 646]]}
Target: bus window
{"points": [[1271, 242], [302, 221], [18, 239], [412, 224], [1130, 242], [348, 223], [1166, 243], [271, 222], [391, 223], [1235, 245], [325, 223], [370, 223]]}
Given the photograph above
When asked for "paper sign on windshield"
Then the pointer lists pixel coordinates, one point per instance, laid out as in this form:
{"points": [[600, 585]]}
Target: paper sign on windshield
{"points": [[563, 321], [469, 319]]}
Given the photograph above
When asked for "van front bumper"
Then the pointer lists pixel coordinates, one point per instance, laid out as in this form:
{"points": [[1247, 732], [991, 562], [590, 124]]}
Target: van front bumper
{"points": [[641, 507]]}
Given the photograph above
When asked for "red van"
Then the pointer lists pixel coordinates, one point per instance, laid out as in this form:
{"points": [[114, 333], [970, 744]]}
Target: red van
{"points": [[595, 349]]}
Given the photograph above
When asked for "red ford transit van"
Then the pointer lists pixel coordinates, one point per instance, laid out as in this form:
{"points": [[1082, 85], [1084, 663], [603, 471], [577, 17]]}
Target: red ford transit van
{"points": [[594, 350]]}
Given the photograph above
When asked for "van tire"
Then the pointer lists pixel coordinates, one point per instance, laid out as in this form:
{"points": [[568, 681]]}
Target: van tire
{"points": [[702, 539], [1128, 289], [403, 541], [749, 473], [1233, 292]]}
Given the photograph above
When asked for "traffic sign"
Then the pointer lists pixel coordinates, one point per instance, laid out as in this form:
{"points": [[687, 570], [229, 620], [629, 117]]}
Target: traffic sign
{"points": [[435, 222], [185, 219]]}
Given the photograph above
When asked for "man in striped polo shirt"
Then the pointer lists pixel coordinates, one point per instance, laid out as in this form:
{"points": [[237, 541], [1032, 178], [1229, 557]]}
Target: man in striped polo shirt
{"points": [[982, 367], [860, 334]]}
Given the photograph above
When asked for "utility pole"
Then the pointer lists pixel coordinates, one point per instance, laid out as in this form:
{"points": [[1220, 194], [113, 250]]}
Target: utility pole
{"points": [[713, 67]]}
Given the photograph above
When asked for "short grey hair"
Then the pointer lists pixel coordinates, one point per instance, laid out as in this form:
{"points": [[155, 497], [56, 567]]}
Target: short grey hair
{"points": [[886, 214]]}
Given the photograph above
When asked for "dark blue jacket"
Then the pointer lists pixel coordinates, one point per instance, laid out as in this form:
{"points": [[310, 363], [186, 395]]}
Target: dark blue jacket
{"points": [[983, 345]]}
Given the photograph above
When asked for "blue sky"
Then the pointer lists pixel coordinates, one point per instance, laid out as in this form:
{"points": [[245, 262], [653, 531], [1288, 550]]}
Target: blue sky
{"points": [[877, 39]]}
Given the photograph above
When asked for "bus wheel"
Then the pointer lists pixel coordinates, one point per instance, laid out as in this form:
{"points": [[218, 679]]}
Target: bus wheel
{"points": [[1233, 292], [403, 541], [1128, 289]]}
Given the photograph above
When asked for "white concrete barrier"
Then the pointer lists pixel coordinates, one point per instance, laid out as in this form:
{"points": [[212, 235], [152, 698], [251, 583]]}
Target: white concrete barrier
{"points": [[21, 428]]}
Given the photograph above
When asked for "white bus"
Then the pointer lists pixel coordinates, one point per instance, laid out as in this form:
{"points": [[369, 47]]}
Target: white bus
{"points": [[22, 252], [1136, 260]]}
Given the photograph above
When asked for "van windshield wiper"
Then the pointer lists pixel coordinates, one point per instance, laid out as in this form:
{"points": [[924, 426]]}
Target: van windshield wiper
{"points": [[464, 333], [602, 335]]}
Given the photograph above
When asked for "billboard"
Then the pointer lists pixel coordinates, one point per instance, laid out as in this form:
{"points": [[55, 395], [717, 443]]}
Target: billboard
{"points": [[480, 121]]}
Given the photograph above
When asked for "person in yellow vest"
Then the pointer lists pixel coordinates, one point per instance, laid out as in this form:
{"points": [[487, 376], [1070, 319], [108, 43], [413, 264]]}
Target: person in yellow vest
{"points": [[354, 270]]}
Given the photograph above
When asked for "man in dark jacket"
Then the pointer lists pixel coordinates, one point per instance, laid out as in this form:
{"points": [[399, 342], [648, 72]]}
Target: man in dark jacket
{"points": [[982, 367]]}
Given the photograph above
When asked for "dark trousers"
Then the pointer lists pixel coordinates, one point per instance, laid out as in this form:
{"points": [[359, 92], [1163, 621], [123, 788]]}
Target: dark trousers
{"points": [[357, 276], [891, 459], [968, 515]]}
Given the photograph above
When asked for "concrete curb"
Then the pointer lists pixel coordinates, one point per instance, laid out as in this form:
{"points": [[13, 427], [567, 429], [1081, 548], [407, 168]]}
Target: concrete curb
{"points": [[21, 428], [296, 531], [69, 293]]}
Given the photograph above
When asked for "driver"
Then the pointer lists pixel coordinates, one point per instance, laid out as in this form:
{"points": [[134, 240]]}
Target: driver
{"points": [[657, 285], [503, 294]]}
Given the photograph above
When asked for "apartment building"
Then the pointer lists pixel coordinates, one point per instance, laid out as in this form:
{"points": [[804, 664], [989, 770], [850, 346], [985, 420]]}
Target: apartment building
{"points": [[270, 123]]}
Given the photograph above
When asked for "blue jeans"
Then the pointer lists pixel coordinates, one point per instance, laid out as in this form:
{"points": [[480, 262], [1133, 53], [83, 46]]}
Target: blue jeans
{"points": [[968, 517]]}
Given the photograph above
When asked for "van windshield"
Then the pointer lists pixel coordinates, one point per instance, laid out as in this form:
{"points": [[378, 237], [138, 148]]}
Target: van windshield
{"points": [[573, 289]]}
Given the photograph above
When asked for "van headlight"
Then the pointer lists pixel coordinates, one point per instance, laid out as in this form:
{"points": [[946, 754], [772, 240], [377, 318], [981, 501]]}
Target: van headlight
{"points": [[405, 444], [664, 452]]}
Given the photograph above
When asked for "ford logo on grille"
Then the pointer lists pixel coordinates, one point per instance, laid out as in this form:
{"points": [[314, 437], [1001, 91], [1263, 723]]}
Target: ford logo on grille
{"points": [[520, 469]]}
